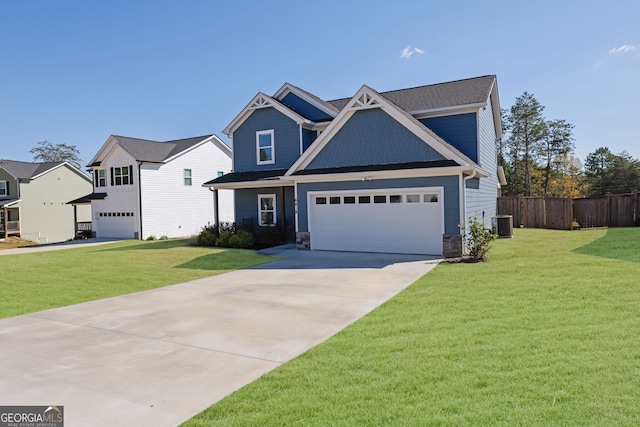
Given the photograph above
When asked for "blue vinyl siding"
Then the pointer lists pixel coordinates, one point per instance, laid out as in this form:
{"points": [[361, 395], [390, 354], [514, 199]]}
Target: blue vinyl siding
{"points": [[481, 200], [286, 140], [246, 204], [372, 137], [458, 130], [308, 136], [451, 186], [305, 109]]}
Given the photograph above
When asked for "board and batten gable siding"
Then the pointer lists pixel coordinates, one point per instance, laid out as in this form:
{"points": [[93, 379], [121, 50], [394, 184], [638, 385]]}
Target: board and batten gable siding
{"points": [[451, 186], [171, 208], [305, 109], [286, 141], [45, 216], [247, 204], [459, 130], [482, 195], [120, 198], [372, 137]]}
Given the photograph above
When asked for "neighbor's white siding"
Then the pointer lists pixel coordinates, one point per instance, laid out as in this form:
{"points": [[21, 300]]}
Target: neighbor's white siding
{"points": [[121, 199], [171, 208]]}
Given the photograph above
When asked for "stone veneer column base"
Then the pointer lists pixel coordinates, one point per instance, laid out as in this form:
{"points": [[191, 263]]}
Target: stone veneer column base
{"points": [[303, 240], [451, 245]]}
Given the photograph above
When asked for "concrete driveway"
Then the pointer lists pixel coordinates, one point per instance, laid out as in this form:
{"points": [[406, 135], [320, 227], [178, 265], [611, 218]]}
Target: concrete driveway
{"points": [[158, 357]]}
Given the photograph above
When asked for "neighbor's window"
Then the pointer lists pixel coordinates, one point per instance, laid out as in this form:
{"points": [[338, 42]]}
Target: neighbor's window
{"points": [[121, 175], [264, 147], [267, 209], [220, 173], [100, 178], [187, 177], [4, 186]]}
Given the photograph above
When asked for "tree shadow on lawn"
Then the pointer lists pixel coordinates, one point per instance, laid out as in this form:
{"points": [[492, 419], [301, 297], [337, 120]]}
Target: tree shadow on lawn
{"points": [[226, 260], [618, 243]]}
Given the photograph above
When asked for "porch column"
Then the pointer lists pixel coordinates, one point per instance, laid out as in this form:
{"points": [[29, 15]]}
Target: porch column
{"points": [[5, 219], [216, 210], [282, 211]]}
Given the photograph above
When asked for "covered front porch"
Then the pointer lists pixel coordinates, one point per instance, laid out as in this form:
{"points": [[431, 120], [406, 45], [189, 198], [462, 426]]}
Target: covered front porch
{"points": [[9, 218]]}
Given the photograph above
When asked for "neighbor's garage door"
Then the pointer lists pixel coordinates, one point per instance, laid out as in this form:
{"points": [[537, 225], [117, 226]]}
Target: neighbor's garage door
{"points": [[394, 221], [119, 225]]}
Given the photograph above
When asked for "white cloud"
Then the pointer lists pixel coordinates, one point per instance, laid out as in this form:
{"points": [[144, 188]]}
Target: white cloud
{"points": [[408, 51], [622, 49]]}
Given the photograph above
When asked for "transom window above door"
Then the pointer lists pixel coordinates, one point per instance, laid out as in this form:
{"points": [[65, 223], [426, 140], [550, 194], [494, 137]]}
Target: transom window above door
{"points": [[265, 147]]}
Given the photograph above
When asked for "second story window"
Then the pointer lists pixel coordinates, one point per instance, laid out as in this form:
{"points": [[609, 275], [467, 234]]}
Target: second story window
{"points": [[121, 175], [4, 188], [264, 147], [187, 177], [100, 178]]}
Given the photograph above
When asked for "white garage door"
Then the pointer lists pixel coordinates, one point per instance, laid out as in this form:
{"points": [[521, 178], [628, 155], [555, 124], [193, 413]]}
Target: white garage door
{"points": [[118, 225], [406, 220]]}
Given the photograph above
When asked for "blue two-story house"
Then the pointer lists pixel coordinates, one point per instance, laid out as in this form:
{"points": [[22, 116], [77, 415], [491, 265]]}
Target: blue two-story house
{"points": [[395, 172]]}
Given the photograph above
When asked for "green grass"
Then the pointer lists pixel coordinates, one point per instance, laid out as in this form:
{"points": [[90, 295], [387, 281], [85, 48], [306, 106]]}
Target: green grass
{"points": [[39, 281], [547, 333]]}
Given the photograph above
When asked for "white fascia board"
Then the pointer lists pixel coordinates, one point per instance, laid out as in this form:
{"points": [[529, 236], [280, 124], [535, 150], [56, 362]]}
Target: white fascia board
{"points": [[67, 164], [213, 138], [251, 184], [263, 101], [306, 96], [495, 105], [386, 174], [12, 203], [378, 101], [103, 151], [447, 111]]}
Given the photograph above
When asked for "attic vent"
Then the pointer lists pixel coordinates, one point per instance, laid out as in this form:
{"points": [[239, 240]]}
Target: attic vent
{"points": [[261, 102], [365, 101]]}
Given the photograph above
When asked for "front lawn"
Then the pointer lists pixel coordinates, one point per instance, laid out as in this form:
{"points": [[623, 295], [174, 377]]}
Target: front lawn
{"points": [[39, 281], [546, 333]]}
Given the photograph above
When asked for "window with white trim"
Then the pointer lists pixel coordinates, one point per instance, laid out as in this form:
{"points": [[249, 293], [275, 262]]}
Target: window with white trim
{"points": [[100, 178], [4, 186], [187, 177], [265, 147], [267, 209], [121, 175]]}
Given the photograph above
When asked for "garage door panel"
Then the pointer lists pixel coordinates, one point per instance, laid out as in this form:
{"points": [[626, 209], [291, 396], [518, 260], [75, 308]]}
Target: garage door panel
{"points": [[378, 227]]}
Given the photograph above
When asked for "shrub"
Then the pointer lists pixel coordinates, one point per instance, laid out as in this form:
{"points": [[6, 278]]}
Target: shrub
{"points": [[152, 237], [269, 236], [206, 238], [164, 237], [223, 239], [242, 239], [477, 240]]}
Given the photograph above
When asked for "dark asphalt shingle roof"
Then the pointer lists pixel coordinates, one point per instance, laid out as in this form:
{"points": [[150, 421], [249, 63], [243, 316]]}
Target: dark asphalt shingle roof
{"points": [[88, 198], [145, 150], [373, 168], [442, 95], [249, 176], [26, 170]]}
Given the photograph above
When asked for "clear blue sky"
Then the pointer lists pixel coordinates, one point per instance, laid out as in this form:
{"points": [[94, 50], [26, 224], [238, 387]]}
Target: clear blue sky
{"points": [[76, 72]]}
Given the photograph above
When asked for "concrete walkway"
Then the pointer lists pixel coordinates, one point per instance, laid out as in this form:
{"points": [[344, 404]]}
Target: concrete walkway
{"points": [[157, 358]]}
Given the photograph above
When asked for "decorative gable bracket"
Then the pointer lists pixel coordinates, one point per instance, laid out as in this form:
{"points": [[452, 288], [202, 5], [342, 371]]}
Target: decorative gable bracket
{"points": [[364, 101], [261, 101]]}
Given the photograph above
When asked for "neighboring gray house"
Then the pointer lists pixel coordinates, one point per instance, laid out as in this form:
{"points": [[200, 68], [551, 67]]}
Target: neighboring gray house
{"points": [[394, 171], [34, 196]]}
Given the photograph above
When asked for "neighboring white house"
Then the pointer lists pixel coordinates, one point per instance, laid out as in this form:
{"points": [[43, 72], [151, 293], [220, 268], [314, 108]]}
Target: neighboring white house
{"points": [[148, 188]]}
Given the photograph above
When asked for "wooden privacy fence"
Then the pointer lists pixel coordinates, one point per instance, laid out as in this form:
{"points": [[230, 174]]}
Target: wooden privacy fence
{"points": [[618, 210]]}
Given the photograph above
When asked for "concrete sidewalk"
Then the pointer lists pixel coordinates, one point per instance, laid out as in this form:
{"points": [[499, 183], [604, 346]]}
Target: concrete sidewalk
{"points": [[58, 246], [157, 358]]}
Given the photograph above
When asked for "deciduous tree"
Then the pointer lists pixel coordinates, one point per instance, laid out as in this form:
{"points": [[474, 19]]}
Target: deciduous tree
{"points": [[47, 152]]}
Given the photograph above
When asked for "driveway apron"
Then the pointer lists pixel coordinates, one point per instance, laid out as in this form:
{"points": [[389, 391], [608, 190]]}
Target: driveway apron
{"points": [[157, 358]]}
